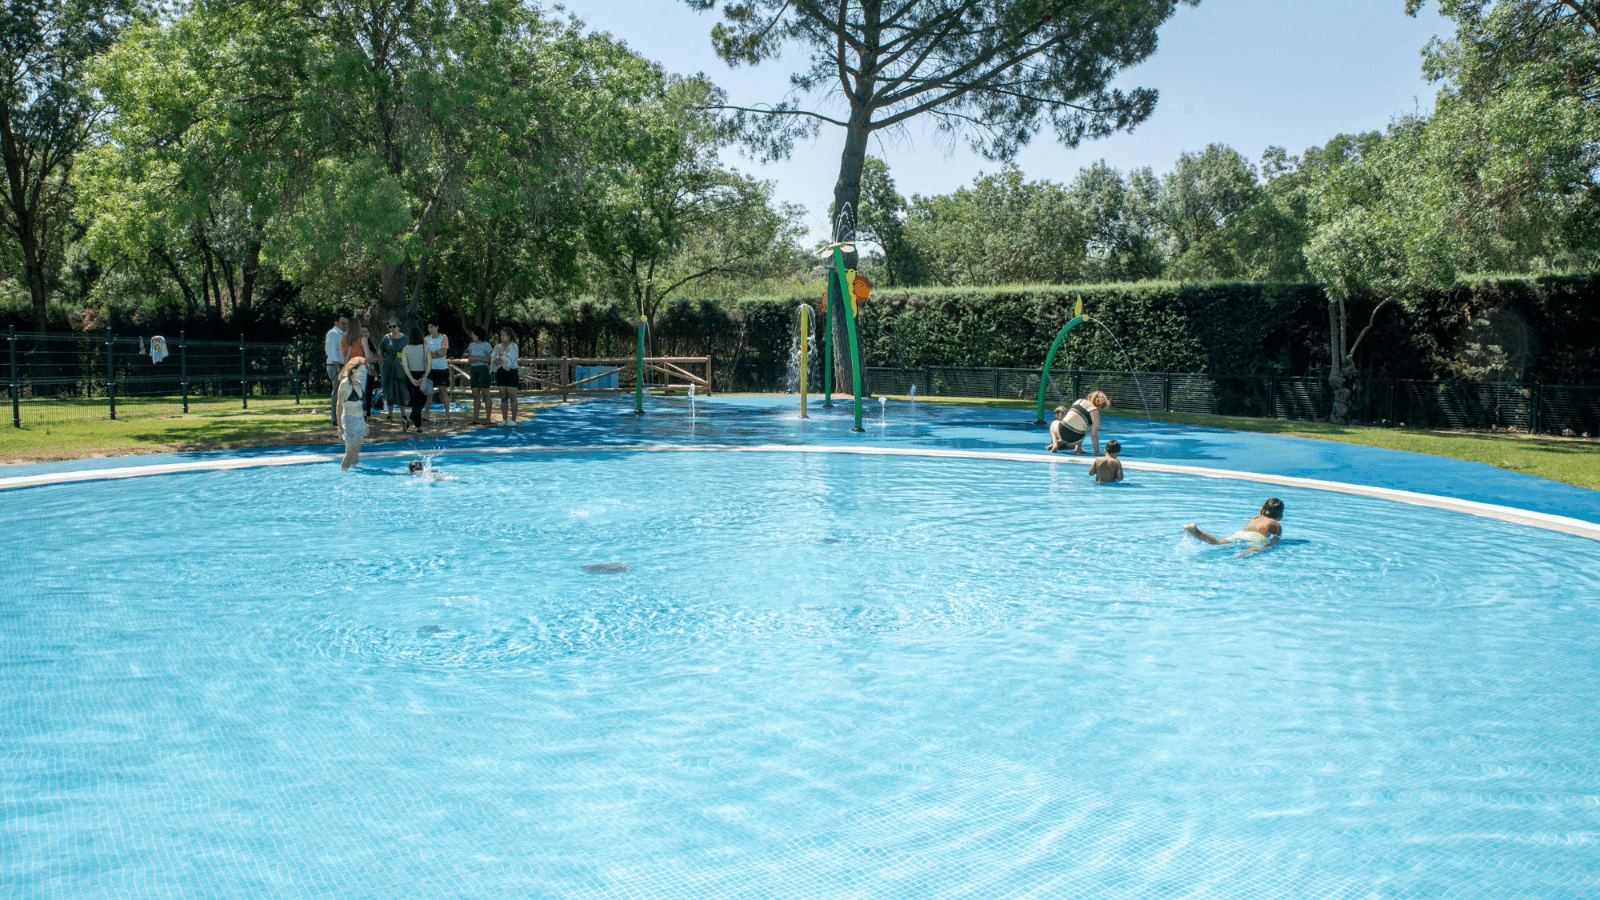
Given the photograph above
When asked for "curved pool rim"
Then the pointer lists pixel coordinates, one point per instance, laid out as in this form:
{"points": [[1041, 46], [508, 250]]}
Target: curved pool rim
{"points": [[1547, 521], [748, 424]]}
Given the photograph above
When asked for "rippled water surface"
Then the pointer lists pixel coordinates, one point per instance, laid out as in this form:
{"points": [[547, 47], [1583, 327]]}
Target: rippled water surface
{"points": [[702, 674]]}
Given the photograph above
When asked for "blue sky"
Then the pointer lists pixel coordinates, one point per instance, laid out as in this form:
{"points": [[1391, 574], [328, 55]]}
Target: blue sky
{"points": [[1246, 73]]}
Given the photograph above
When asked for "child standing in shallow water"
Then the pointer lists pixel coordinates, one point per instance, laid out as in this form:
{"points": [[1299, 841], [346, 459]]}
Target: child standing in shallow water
{"points": [[1260, 533], [1108, 468]]}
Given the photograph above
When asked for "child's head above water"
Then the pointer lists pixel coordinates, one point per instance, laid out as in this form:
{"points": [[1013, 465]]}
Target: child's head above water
{"points": [[1061, 412], [415, 466], [1273, 508], [1113, 448]]}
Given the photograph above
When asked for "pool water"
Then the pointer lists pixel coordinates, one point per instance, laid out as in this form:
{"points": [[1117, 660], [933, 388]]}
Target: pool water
{"points": [[736, 674]]}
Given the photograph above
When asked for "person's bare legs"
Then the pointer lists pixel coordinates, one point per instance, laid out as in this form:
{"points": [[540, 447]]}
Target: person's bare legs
{"points": [[352, 454], [442, 392], [1195, 532]]}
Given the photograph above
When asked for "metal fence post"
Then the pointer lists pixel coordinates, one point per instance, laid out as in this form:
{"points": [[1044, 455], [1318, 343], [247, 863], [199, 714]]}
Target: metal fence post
{"points": [[1166, 392], [1077, 388], [183, 367], [111, 373], [16, 409], [244, 377], [296, 373], [1534, 402]]}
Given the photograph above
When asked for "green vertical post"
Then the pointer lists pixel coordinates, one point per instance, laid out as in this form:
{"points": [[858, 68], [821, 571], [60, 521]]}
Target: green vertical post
{"points": [[183, 370], [638, 372], [16, 409], [111, 374], [244, 377], [294, 373], [850, 328]]}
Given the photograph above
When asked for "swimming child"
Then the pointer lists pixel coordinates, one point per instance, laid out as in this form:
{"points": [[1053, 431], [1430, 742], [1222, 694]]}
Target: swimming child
{"points": [[1262, 531], [420, 469], [1108, 468]]}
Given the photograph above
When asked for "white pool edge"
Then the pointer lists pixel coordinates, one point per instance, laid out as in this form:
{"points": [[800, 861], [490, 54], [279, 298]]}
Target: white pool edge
{"points": [[1546, 521]]}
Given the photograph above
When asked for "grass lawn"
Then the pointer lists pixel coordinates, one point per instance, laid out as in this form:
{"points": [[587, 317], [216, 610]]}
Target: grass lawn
{"points": [[76, 429]]}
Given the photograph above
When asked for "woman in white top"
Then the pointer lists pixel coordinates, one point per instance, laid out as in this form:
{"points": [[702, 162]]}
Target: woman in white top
{"points": [[414, 359], [506, 375], [352, 394], [438, 346]]}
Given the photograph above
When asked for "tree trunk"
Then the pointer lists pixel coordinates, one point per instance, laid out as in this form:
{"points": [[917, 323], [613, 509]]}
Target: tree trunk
{"points": [[392, 284], [1343, 377], [248, 273], [846, 198], [190, 304], [33, 267], [1340, 413]]}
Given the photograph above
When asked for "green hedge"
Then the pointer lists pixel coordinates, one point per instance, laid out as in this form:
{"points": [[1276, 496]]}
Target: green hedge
{"points": [[1226, 329], [1507, 329]]}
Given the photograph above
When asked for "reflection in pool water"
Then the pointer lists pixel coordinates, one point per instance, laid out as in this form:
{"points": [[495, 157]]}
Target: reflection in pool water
{"points": [[719, 674]]}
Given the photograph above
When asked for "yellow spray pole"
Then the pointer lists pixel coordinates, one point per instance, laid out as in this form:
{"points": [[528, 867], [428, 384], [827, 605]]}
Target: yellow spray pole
{"points": [[805, 336]]}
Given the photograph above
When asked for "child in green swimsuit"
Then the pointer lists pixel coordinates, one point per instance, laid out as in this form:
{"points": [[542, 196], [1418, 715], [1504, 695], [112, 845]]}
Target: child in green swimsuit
{"points": [[1260, 533]]}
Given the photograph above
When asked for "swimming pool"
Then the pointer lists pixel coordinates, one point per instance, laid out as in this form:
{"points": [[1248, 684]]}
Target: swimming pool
{"points": [[725, 674]]}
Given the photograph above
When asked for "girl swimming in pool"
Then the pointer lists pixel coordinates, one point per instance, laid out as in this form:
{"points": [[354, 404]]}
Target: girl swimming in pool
{"points": [[1260, 533]]}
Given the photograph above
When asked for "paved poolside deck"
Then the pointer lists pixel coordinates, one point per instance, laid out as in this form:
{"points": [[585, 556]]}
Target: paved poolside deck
{"points": [[898, 426]]}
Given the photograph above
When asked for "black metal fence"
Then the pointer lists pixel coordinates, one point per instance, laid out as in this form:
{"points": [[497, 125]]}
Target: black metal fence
{"points": [[1467, 405], [48, 377]]}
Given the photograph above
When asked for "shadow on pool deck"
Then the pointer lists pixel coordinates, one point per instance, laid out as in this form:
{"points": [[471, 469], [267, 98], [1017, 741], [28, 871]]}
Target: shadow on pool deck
{"points": [[767, 420]]}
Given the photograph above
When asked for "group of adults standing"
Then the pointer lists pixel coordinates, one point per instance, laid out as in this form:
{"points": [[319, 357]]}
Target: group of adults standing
{"points": [[415, 367]]}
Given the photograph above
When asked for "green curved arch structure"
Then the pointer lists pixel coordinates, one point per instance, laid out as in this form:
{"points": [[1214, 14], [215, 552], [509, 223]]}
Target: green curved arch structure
{"points": [[1050, 358], [847, 301]]}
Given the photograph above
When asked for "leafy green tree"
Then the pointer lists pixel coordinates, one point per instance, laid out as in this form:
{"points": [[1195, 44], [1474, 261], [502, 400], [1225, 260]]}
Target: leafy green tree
{"points": [[1121, 239], [557, 114], [670, 214], [1520, 99], [1267, 241], [989, 71], [1384, 226], [186, 182], [882, 220], [47, 115], [1002, 230], [1201, 203]]}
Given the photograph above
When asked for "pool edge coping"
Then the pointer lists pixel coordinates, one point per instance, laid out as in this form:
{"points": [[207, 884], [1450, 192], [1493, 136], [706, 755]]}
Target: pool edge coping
{"points": [[1546, 521]]}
